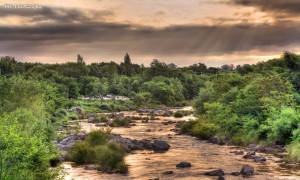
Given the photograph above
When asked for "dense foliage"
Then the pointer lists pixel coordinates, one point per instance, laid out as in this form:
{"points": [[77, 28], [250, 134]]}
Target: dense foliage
{"points": [[98, 149], [26, 130], [252, 104], [241, 105]]}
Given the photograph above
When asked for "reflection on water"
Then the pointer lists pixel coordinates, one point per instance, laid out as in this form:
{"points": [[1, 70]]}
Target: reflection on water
{"points": [[203, 157]]}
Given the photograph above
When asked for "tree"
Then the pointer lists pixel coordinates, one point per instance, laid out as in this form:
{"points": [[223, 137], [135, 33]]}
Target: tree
{"points": [[80, 59], [128, 65], [26, 142], [164, 90], [292, 60]]}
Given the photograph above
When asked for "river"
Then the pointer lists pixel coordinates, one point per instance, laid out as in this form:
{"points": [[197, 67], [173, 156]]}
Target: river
{"points": [[203, 157]]}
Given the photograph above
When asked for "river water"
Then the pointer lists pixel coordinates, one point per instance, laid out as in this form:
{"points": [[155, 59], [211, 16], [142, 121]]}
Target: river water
{"points": [[203, 157]]}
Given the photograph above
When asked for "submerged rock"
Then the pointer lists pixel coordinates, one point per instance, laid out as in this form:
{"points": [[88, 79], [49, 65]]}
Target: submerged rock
{"points": [[235, 173], [237, 152], [168, 172], [217, 172], [89, 168], [183, 165]]}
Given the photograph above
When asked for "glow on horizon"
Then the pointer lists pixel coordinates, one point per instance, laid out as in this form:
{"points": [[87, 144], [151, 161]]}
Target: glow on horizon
{"points": [[147, 30]]}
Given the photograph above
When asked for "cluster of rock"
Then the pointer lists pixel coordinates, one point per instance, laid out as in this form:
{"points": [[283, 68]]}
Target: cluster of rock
{"points": [[66, 143], [127, 143], [132, 144], [116, 115], [251, 155], [245, 171], [156, 112], [262, 149]]}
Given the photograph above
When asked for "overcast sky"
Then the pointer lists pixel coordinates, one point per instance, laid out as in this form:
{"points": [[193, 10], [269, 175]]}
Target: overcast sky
{"points": [[184, 32]]}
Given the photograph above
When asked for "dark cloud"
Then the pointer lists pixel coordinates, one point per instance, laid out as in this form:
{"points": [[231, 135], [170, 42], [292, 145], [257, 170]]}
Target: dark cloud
{"points": [[279, 6], [100, 36], [56, 15]]}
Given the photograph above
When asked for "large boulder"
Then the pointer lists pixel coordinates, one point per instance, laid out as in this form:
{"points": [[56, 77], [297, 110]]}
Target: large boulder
{"points": [[160, 146], [183, 165], [66, 143], [247, 170], [217, 172], [132, 144]]}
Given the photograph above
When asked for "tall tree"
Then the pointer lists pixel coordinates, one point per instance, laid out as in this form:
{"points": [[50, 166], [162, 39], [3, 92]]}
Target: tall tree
{"points": [[80, 59], [128, 65]]}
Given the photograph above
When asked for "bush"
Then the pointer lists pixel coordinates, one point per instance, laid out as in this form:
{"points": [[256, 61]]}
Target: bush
{"points": [[186, 126], [282, 124], [294, 151], [105, 107], [119, 122], [178, 114], [98, 137], [111, 157], [204, 130], [181, 113], [62, 112], [72, 116], [100, 118], [82, 153]]}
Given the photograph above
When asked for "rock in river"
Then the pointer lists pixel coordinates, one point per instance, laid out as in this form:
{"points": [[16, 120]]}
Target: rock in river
{"points": [[160, 146], [184, 165], [168, 172], [259, 159], [247, 170], [218, 172]]}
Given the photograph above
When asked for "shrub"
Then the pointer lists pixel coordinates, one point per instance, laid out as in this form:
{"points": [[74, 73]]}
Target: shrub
{"points": [[282, 124], [178, 114], [294, 151], [73, 116], [82, 153], [101, 118], [62, 111], [98, 137], [118, 122], [186, 126], [104, 107], [204, 130], [111, 157]]}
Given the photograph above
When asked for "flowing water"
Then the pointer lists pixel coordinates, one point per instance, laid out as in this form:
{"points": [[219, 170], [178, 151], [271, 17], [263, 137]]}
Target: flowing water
{"points": [[203, 157]]}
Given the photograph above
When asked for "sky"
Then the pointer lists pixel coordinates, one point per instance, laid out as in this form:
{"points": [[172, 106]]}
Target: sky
{"points": [[184, 32]]}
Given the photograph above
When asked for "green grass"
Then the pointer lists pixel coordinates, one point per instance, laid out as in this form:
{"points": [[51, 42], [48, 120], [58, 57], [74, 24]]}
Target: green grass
{"points": [[82, 153], [182, 113], [90, 106], [98, 137], [72, 116], [294, 151], [111, 157], [97, 150], [100, 118], [119, 122]]}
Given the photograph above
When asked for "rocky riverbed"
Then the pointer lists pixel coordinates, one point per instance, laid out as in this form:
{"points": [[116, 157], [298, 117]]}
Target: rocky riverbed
{"points": [[182, 157]]}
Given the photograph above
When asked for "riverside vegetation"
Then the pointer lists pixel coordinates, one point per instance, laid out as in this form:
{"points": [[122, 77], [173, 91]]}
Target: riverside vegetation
{"points": [[239, 105]]}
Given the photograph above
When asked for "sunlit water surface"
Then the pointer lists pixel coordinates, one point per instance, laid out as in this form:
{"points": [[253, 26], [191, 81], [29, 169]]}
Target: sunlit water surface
{"points": [[203, 157]]}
